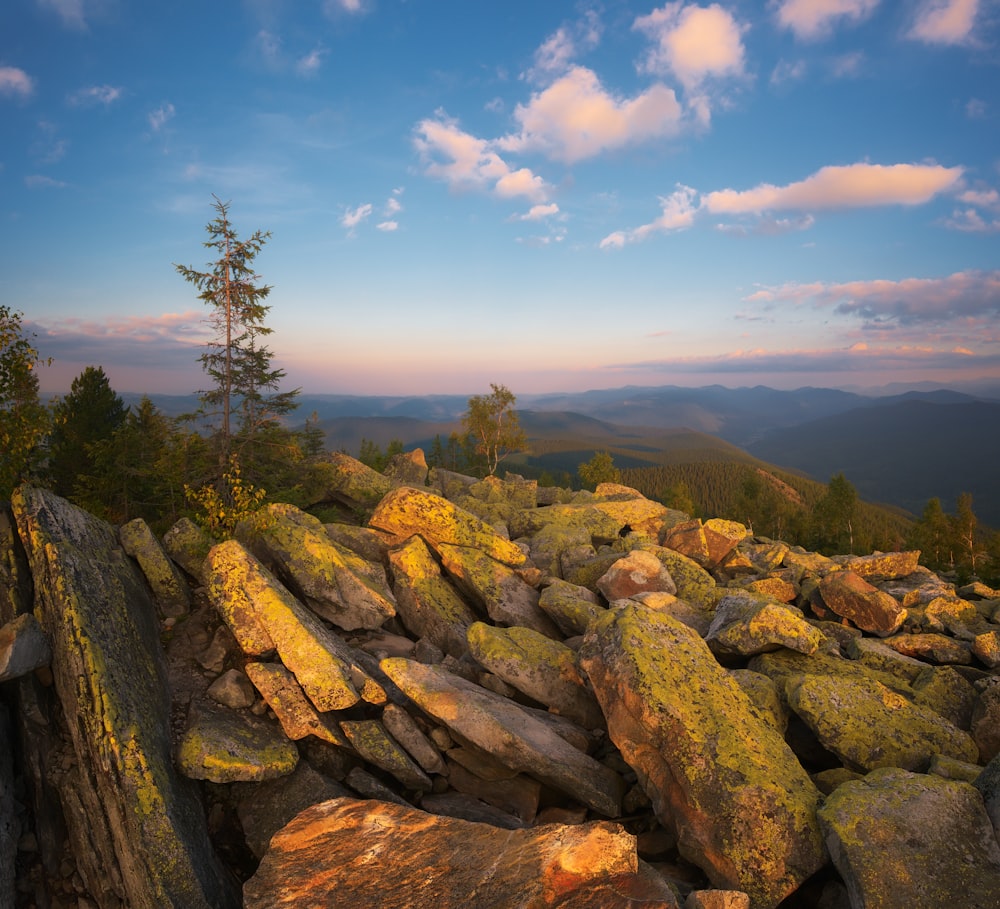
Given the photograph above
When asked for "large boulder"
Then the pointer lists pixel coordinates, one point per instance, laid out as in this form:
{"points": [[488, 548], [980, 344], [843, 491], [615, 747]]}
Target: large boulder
{"points": [[170, 592], [346, 852], [136, 828], [745, 815], [510, 733], [907, 839], [851, 597]]}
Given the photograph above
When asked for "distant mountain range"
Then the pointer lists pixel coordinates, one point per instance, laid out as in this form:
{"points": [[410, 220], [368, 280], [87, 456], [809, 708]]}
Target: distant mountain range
{"points": [[901, 449]]}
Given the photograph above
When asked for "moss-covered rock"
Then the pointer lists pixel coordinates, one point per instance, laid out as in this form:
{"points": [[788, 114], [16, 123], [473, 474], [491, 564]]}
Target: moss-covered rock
{"points": [[407, 511], [296, 713], [570, 606], [867, 725], [170, 592], [907, 839], [745, 624], [539, 667], [427, 603], [746, 816], [373, 743], [340, 478], [496, 589]]}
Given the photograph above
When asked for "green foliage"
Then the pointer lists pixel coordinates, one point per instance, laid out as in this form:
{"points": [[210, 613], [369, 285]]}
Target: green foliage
{"points": [[24, 420], [833, 517], [599, 469], [239, 366], [220, 507], [90, 414], [492, 423]]}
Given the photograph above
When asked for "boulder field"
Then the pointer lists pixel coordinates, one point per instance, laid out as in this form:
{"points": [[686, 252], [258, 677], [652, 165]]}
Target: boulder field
{"points": [[482, 693]]}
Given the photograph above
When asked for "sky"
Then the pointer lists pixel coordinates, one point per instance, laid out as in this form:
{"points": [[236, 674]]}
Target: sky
{"points": [[551, 196]]}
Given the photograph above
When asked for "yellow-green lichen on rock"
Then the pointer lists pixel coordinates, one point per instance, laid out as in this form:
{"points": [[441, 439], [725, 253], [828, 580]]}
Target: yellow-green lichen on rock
{"points": [[143, 837], [746, 816], [407, 511]]}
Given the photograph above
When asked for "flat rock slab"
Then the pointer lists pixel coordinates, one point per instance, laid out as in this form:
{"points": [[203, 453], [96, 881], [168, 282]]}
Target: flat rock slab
{"points": [[377, 855], [510, 733], [743, 807], [909, 839]]}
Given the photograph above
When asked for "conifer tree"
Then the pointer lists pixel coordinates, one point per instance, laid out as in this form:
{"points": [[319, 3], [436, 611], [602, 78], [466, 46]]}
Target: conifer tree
{"points": [[244, 381]]}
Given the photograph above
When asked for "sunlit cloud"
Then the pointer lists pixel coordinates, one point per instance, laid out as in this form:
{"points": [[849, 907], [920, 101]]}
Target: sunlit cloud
{"points": [[160, 117], [945, 21], [538, 213], [851, 186], [678, 212], [95, 94], [387, 226], [15, 82], [465, 161], [812, 19], [564, 45], [71, 12], [970, 295], [576, 118], [352, 217]]}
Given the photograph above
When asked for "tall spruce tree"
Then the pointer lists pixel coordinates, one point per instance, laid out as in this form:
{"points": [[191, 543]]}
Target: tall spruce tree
{"points": [[88, 415], [245, 384]]}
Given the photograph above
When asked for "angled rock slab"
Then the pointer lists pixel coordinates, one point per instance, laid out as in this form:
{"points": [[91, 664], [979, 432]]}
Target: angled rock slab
{"points": [[867, 725], [746, 625], [335, 582], [170, 591], [248, 596], [511, 734], [427, 603], [638, 571], [295, 712], [745, 815], [138, 832], [498, 590], [371, 740], [341, 853], [340, 478], [539, 667], [187, 544], [407, 511], [906, 839]]}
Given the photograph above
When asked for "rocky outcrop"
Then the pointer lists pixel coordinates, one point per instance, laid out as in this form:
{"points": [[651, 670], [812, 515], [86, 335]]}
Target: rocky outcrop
{"points": [[486, 693]]}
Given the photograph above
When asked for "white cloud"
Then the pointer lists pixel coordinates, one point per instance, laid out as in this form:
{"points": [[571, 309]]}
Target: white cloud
{"points": [[812, 19], [945, 21], [466, 161], [576, 118], [333, 7], [851, 186], [352, 217], [678, 212], [310, 64], [788, 71], [15, 82], [159, 117], [70, 11], [387, 226], [539, 212], [693, 42], [95, 94]]}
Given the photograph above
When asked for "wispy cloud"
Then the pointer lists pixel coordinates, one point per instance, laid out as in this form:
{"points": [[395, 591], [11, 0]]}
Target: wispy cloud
{"points": [[310, 64], [850, 186], [564, 45], [387, 226], [39, 181], [337, 7], [907, 302], [465, 161], [71, 12], [678, 212], [980, 214], [15, 82], [95, 94], [945, 21], [161, 116], [576, 118], [788, 71], [538, 213], [814, 19]]}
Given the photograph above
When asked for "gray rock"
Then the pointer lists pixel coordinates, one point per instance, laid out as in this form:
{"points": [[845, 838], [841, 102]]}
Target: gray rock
{"points": [[24, 647], [170, 591]]}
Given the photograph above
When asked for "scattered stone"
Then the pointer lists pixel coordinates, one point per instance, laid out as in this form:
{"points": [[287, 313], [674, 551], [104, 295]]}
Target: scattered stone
{"points": [[232, 689], [295, 712], [371, 741], [850, 596], [637, 572], [24, 647], [746, 625]]}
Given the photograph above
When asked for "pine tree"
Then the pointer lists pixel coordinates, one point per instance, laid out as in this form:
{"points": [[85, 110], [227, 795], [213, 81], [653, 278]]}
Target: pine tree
{"points": [[88, 415], [244, 380]]}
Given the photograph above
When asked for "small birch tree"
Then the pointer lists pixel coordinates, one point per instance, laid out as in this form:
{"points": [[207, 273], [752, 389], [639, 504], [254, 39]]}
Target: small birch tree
{"points": [[492, 421]]}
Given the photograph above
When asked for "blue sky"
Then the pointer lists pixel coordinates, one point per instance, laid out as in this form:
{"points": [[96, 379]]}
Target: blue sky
{"points": [[552, 196]]}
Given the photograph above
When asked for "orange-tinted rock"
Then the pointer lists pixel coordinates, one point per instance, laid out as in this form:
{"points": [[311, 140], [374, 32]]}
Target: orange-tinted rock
{"points": [[376, 855], [851, 597]]}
